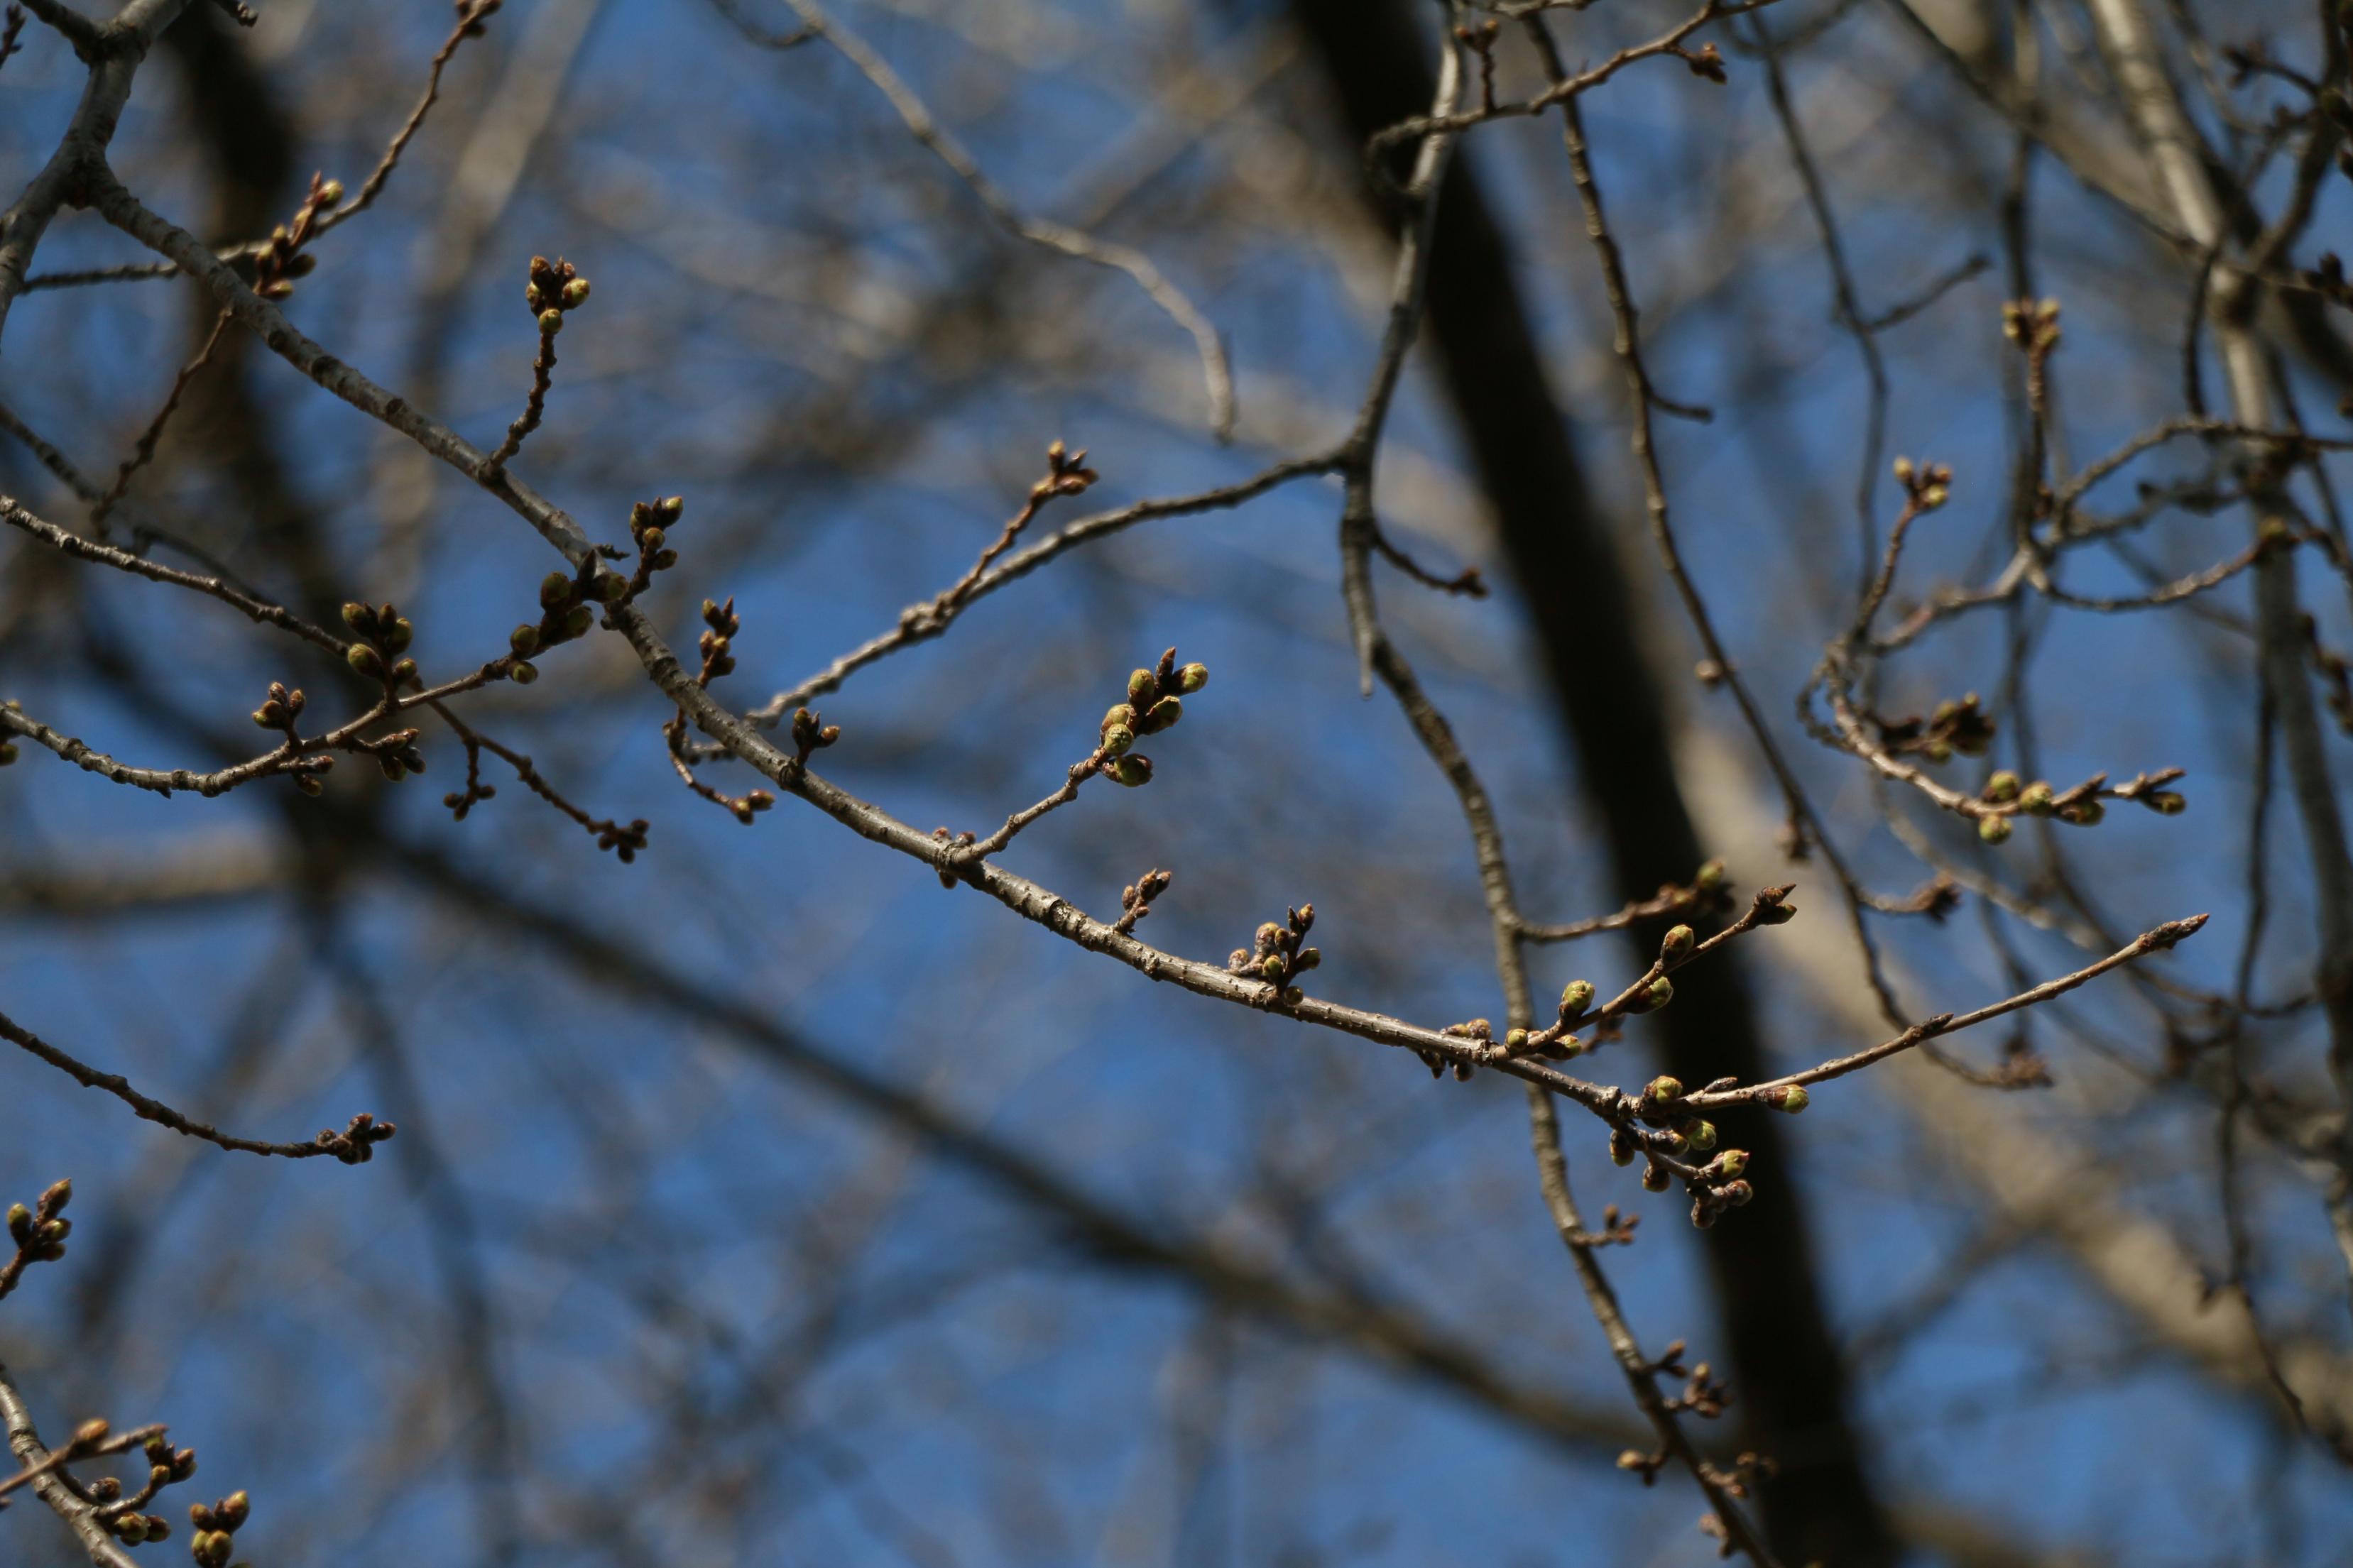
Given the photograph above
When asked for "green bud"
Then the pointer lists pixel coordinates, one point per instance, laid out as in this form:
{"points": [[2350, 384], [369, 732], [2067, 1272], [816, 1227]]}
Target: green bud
{"points": [[363, 660], [1622, 1147], [1310, 957], [330, 193], [1192, 677], [1143, 686], [2165, 802], [1661, 1089], [1657, 1178], [1703, 1136], [1118, 713], [1163, 714], [1677, 944], [2035, 799], [672, 507], [606, 586], [522, 672], [577, 620], [309, 783], [1937, 751], [551, 322], [266, 716], [554, 589], [1710, 877], [1732, 1161], [404, 672], [399, 634], [1994, 829], [1132, 770], [360, 617], [574, 295], [1736, 1194], [8, 753], [1116, 738], [1793, 1098], [1293, 996], [2002, 787], [2086, 812], [1661, 991], [1271, 967], [1576, 997], [1515, 1040], [20, 1222], [234, 1509], [523, 640]]}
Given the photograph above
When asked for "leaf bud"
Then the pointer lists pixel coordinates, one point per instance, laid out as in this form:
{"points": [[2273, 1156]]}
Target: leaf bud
{"points": [[1162, 714], [1132, 770], [1710, 877], [1118, 713], [1576, 997], [551, 321], [1661, 991], [404, 672], [523, 640], [1192, 677], [399, 634], [1663, 1088], [1271, 967], [1994, 829], [1732, 1163], [574, 294], [2035, 799], [522, 672], [577, 620], [1677, 944], [360, 617], [1143, 688], [1116, 738], [554, 589], [2002, 788], [330, 193], [1702, 1135], [1791, 1098], [363, 660]]}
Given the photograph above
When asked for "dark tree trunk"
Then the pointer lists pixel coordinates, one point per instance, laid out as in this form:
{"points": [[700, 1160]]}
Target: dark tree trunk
{"points": [[1786, 1371]]}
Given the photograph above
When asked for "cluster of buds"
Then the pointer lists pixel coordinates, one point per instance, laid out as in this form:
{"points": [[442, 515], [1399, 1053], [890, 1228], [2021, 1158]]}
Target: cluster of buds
{"points": [[721, 627], [811, 733], [381, 652], [279, 712], [283, 259], [1155, 702], [2081, 807], [215, 1526], [40, 1232], [122, 1516], [2032, 324], [1927, 486], [1480, 39], [1135, 899], [356, 1145], [1674, 1133], [1951, 726], [1067, 474], [1707, 62], [651, 522], [567, 610], [554, 288], [1277, 956]]}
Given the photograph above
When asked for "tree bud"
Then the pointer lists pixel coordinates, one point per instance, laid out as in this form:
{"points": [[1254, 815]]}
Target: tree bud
{"points": [[1677, 944], [1661, 1089], [1163, 714], [330, 193], [2002, 787], [522, 672], [1116, 738], [1192, 677], [1576, 997], [523, 640], [2035, 799], [1271, 967], [1132, 770], [363, 660], [554, 589], [399, 634], [550, 322], [1703, 1136], [574, 294], [360, 617], [1732, 1161], [1661, 991], [1657, 1178], [1994, 829], [1791, 1098], [1118, 713]]}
